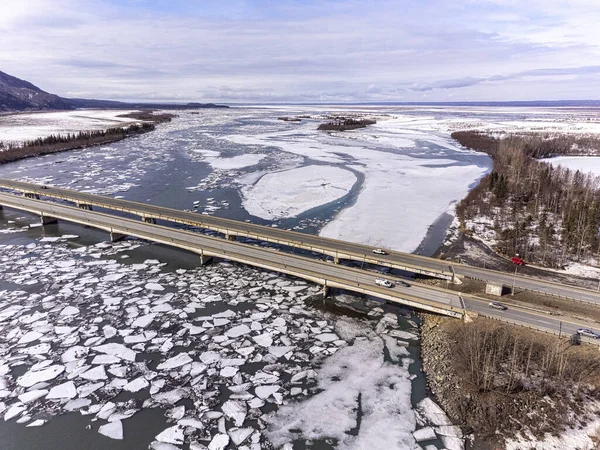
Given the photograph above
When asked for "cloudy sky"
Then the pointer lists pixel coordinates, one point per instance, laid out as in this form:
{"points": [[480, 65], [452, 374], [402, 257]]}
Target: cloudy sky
{"points": [[305, 50]]}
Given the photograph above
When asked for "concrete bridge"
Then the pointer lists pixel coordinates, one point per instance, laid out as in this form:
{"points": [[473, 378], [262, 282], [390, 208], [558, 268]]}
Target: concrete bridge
{"points": [[337, 249], [323, 273], [419, 296]]}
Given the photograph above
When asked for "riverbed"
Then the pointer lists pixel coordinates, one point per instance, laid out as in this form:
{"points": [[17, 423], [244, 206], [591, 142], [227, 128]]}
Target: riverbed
{"points": [[222, 352]]}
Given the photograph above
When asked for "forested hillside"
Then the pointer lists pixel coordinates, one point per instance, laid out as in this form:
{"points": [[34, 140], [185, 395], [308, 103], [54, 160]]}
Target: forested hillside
{"points": [[545, 213]]}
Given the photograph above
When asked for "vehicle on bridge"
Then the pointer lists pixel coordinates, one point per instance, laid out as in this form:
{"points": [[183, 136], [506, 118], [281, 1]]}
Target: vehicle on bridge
{"points": [[587, 332], [498, 305], [379, 251], [518, 261], [383, 282], [403, 283]]}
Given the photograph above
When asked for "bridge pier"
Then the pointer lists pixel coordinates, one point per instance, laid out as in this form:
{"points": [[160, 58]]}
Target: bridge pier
{"points": [[84, 206], [114, 237], [325, 291], [230, 237], [46, 220], [205, 259], [336, 259], [31, 195], [149, 219]]}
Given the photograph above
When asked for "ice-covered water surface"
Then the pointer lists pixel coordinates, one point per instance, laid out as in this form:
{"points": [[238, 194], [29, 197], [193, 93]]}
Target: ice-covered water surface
{"points": [[247, 165], [288, 193], [411, 177], [219, 349]]}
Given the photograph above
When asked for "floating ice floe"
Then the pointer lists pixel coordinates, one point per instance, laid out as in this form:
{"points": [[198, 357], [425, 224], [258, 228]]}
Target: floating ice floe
{"points": [[231, 341]]}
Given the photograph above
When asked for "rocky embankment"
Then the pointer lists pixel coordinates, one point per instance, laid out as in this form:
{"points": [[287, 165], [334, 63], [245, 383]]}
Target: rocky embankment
{"points": [[436, 351]]}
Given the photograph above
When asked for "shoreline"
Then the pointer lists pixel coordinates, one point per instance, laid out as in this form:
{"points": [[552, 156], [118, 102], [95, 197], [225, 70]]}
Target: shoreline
{"points": [[43, 146]]}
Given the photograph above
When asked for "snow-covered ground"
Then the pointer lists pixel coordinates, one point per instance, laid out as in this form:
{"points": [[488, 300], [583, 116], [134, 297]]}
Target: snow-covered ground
{"points": [[577, 438], [17, 128], [291, 192], [584, 164]]}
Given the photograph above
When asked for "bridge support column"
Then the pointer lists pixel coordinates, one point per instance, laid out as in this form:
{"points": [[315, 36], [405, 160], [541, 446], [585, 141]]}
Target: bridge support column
{"points": [[1, 207], [455, 279], [336, 259], [48, 220], [325, 291], [230, 237], [204, 259], [31, 195], [149, 219], [114, 237], [84, 206]]}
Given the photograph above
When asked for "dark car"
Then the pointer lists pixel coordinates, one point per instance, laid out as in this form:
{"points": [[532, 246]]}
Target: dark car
{"points": [[498, 305], [403, 283]]}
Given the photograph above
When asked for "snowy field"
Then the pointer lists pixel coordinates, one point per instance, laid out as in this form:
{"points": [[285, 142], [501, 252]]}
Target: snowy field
{"points": [[17, 128], [291, 192], [584, 164], [231, 341]]}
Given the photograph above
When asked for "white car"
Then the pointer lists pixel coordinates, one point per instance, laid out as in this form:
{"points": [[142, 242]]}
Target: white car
{"points": [[379, 251], [588, 333], [498, 305], [383, 282]]}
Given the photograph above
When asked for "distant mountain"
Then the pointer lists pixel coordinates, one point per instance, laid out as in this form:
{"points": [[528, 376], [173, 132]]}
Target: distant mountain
{"points": [[21, 95]]}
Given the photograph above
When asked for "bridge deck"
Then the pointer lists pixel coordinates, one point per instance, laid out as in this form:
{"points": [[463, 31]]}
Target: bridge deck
{"points": [[330, 275], [331, 247]]}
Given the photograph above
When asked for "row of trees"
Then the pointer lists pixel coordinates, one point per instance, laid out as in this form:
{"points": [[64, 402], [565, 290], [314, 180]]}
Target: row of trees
{"points": [[343, 124], [545, 213], [60, 143], [508, 372]]}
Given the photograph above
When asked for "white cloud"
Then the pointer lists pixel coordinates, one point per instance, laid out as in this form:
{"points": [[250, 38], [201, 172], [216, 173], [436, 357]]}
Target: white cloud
{"points": [[432, 50]]}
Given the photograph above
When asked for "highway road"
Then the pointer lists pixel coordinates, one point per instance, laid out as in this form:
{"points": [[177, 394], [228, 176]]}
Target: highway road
{"points": [[331, 247], [333, 275]]}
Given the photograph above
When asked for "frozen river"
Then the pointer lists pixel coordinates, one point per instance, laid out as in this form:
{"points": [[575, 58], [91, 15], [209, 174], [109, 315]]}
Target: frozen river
{"points": [[128, 345]]}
